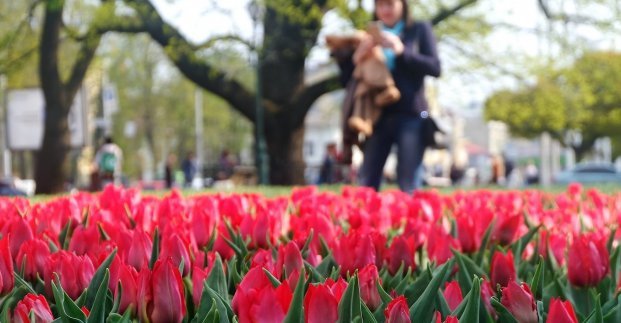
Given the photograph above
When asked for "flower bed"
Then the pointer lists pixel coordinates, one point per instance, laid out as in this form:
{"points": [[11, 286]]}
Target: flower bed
{"points": [[312, 257]]}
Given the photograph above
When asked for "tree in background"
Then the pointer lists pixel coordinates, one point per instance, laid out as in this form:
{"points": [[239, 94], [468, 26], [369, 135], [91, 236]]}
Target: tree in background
{"points": [[584, 96], [291, 28]]}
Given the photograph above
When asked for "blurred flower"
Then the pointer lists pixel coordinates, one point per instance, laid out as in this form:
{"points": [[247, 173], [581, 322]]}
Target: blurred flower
{"points": [[397, 311], [519, 300], [502, 269], [561, 312]]}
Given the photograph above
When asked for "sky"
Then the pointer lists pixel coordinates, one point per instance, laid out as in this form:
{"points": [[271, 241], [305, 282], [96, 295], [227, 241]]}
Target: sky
{"points": [[459, 91]]}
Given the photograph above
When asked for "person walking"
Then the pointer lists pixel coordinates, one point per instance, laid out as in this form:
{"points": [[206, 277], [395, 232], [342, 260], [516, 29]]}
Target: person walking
{"points": [[108, 163], [411, 55]]}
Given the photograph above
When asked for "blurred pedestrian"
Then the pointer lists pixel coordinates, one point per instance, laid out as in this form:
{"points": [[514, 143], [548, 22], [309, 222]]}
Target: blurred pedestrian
{"points": [[189, 167], [411, 55], [108, 163], [329, 166]]}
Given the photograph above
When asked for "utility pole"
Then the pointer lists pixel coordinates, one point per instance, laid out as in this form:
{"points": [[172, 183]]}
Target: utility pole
{"points": [[198, 116], [6, 153]]}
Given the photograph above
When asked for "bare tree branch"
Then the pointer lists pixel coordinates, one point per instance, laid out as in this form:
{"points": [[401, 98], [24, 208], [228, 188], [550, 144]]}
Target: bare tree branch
{"points": [[476, 56], [449, 12], [182, 53], [233, 38], [566, 18], [305, 99]]}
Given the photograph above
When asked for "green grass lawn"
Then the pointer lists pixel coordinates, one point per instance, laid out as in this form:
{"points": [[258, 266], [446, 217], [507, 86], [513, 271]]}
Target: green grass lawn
{"points": [[274, 191]]}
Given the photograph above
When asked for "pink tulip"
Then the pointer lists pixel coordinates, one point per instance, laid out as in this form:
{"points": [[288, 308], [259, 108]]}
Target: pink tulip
{"points": [[354, 251], [198, 279], [401, 252], [502, 269], [588, 261], [257, 300], [561, 312], [320, 305], [75, 272], [139, 253], [168, 293], [35, 304], [32, 256], [176, 249], [397, 311], [368, 277], [519, 300], [453, 295]]}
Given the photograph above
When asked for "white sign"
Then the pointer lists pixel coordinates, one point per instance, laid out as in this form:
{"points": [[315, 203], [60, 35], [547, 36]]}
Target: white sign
{"points": [[25, 119]]}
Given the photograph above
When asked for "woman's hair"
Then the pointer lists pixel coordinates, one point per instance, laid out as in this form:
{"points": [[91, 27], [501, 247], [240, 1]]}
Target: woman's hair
{"points": [[406, 16]]}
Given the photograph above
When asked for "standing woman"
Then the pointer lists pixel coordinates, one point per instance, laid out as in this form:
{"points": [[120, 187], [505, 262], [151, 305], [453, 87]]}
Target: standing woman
{"points": [[410, 51]]}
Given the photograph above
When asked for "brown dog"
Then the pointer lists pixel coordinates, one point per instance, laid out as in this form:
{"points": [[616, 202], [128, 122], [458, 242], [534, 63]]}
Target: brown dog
{"points": [[376, 87]]}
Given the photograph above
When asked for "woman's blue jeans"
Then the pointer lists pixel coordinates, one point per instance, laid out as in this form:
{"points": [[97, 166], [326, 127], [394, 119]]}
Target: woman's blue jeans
{"points": [[404, 130]]}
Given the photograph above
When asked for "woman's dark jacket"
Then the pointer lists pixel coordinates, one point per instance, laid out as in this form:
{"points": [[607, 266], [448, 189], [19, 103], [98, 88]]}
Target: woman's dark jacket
{"points": [[419, 59]]}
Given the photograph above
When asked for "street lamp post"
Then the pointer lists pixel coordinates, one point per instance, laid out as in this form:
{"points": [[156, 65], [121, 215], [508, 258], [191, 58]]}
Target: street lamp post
{"points": [[256, 13]]}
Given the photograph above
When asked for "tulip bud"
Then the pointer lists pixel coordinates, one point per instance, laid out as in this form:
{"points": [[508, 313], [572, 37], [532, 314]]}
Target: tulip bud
{"points": [[453, 295], [520, 302], [588, 261], [502, 269], [6, 267], [320, 305], [32, 256], [397, 311], [168, 294], [400, 252], [368, 277], [561, 312], [35, 304]]}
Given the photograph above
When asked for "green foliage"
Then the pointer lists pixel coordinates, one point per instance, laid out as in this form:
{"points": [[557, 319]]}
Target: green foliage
{"points": [[583, 96]]}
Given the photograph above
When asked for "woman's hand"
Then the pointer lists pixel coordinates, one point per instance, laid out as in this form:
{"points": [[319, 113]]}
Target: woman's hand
{"points": [[393, 42], [363, 50]]}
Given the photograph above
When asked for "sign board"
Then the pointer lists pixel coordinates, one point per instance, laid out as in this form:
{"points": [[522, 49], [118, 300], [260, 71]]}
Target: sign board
{"points": [[25, 119]]}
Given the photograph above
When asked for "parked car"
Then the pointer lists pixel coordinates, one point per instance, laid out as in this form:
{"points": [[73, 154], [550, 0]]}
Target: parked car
{"points": [[8, 188], [590, 173]]}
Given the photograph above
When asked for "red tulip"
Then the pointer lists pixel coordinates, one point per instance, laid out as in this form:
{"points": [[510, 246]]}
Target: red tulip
{"points": [[144, 294], [368, 277], [439, 245], [260, 228], [502, 270], [449, 319], [520, 302], [198, 279], [337, 288], [139, 253], [32, 256], [128, 277], [487, 292], [469, 233], [588, 261], [320, 305], [290, 259], [35, 304], [401, 252], [85, 241], [21, 232], [507, 228], [6, 267], [354, 251], [453, 295], [397, 311], [204, 220], [168, 295], [75, 272], [556, 242], [256, 299], [561, 312], [176, 249]]}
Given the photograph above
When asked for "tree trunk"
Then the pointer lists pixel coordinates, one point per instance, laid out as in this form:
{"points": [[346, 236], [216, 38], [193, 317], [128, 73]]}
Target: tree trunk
{"points": [[285, 150], [50, 171]]}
